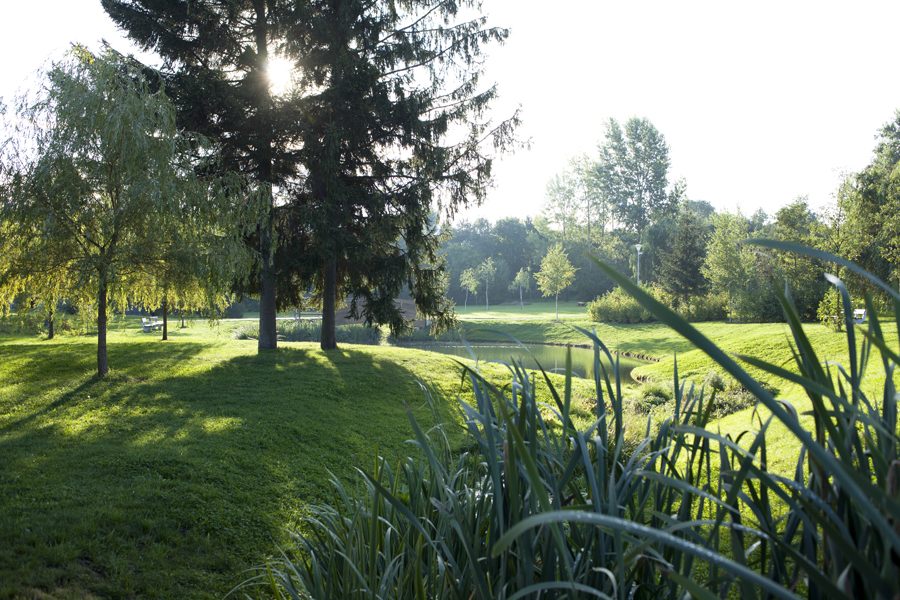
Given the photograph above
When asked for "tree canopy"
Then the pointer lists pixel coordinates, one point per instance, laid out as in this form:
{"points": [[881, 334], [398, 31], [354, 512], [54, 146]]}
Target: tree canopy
{"points": [[556, 274], [397, 132], [632, 172], [102, 176]]}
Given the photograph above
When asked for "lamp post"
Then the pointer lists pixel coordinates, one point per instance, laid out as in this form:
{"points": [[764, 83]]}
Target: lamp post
{"points": [[638, 270]]}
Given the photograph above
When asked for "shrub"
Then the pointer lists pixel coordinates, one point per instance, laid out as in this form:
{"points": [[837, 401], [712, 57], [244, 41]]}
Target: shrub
{"points": [[308, 330], [652, 396], [709, 307], [530, 510], [617, 306]]}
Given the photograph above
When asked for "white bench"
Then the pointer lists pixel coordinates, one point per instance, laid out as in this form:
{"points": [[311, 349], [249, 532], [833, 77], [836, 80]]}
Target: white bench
{"points": [[151, 324], [859, 316]]}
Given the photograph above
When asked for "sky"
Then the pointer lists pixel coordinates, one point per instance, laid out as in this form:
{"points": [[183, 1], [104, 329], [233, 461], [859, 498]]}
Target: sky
{"points": [[759, 102]]}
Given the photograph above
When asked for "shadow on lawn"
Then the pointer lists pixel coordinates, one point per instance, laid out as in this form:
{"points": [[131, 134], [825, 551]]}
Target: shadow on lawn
{"points": [[172, 486]]}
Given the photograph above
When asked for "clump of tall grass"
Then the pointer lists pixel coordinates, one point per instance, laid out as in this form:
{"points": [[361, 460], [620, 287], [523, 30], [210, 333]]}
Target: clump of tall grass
{"points": [[311, 331], [538, 510]]}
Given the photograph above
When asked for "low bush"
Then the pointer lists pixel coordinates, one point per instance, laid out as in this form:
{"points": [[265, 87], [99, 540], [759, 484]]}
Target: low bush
{"points": [[533, 511], [709, 307], [616, 306], [651, 396], [308, 330]]}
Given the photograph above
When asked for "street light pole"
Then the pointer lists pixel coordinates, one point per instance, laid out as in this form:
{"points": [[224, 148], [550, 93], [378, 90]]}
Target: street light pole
{"points": [[638, 271]]}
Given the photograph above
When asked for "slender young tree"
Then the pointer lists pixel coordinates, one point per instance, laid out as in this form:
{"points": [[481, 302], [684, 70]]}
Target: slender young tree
{"points": [[397, 129], [556, 274], [486, 272], [468, 279], [217, 61], [521, 282]]}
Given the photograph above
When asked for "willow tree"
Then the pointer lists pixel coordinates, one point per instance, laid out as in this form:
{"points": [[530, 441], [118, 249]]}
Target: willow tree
{"points": [[397, 130], [98, 179]]}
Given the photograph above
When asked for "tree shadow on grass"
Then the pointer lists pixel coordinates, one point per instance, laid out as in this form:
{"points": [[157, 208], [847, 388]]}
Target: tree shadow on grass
{"points": [[171, 487]]}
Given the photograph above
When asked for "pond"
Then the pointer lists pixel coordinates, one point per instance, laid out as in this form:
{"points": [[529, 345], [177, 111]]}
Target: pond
{"points": [[552, 358]]}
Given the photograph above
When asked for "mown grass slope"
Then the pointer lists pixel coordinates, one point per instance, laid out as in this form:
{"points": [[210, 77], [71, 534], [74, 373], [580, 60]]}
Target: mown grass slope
{"points": [[185, 467]]}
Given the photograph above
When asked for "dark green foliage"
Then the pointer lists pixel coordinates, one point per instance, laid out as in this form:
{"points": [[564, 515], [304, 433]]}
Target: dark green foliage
{"points": [[216, 55], [540, 505], [680, 271], [396, 126]]}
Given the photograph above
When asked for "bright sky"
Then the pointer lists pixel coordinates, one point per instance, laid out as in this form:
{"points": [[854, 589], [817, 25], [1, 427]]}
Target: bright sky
{"points": [[760, 102]]}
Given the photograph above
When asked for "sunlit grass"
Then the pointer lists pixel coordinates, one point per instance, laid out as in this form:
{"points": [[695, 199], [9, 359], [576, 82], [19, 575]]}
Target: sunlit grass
{"points": [[180, 470]]}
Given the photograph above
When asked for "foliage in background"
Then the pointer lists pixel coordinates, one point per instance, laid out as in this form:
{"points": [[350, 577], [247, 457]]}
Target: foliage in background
{"points": [[538, 505]]}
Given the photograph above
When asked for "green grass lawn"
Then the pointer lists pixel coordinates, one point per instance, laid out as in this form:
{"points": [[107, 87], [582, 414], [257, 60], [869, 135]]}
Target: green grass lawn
{"points": [[190, 462], [185, 467]]}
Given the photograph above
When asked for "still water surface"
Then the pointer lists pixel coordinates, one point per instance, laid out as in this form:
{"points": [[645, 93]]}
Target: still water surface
{"points": [[551, 358]]}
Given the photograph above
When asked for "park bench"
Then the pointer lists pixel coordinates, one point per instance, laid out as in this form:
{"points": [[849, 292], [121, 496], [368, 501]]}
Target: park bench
{"points": [[151, 324], [859, 316]]}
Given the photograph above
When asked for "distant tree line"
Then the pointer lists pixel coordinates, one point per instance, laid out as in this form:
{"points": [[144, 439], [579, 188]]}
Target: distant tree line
{"points": [[692, 256]]}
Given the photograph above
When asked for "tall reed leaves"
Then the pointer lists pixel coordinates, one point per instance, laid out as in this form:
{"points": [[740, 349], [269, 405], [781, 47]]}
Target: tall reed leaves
{"points": [[536, 508]]}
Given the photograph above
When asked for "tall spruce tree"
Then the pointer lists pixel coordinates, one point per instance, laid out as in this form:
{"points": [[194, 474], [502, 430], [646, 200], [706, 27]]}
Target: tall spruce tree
{"points": [[216, 55], [681, 270], [397, 128]]}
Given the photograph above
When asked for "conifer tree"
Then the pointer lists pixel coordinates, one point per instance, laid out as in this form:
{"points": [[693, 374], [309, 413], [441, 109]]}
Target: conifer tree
{"points": [[397, 130], [216, 58], [681, 271]]}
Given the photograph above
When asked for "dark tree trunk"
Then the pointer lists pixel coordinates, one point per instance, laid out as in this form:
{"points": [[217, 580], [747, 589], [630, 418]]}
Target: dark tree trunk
{"points": [[466, 303], [102, 361], [182, 320], [50, 325], [165, 316], [329, 300], [268, 334]]}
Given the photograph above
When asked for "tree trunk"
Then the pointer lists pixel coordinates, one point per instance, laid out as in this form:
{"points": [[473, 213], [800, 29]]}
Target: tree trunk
{"points": [[50, 328], [183, 326], [466, 303], [557, 306], [521, 302], [487, 304], [268, 335], [102, 361], [165, 315], [328, 340]]}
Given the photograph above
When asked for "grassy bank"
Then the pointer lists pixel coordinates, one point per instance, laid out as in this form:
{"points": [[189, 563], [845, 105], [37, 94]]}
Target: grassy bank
{"points": [[184, 467]]}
